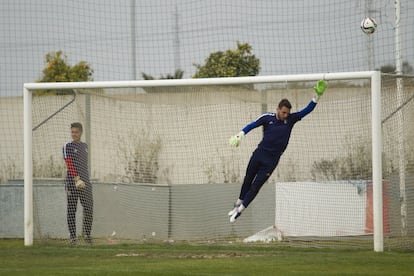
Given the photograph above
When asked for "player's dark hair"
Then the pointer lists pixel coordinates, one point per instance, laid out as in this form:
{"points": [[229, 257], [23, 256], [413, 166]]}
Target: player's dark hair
{"points": [[77, 125], [285, 103]]}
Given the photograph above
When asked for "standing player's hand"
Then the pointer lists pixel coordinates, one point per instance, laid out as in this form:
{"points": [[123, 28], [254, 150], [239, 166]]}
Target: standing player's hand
{"points": [[235, 140], [79, 183]]}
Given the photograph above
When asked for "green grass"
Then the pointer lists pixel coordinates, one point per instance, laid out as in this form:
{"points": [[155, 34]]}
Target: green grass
{"points": [[186, 259]]}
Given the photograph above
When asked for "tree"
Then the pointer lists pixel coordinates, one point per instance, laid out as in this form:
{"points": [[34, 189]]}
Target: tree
{"points": [[58, 70], [407, 68], [231, 63], [178, 74]]}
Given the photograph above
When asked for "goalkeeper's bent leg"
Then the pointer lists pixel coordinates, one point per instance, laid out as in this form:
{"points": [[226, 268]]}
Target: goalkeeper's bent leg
{"points": [[251, 171], [261, 178]]}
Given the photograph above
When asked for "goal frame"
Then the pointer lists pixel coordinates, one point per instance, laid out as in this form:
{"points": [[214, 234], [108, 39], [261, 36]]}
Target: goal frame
{"points": [[376, 131]]}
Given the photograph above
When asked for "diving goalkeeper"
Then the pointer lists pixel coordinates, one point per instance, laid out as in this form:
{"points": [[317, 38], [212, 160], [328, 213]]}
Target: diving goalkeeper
{"points": [[277, 128]]}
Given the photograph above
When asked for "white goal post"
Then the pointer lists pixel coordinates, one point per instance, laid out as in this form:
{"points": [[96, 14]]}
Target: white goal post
{"points": [[373, 76]]}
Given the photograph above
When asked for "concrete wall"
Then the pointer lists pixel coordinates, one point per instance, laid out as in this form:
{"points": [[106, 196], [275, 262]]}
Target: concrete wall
{"points": [[199, 212], [137, 211]]}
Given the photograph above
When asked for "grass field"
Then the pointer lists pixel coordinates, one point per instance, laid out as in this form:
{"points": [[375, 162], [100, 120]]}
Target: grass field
{"points": [[187, 259]]}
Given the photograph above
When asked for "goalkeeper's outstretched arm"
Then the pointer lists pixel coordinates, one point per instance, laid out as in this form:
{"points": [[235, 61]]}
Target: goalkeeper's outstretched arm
{"points": [[236, 139], [319, 90]]}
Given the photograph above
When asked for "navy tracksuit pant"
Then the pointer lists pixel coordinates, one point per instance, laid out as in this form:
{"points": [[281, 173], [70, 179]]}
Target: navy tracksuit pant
{"points": [[261, 166]]}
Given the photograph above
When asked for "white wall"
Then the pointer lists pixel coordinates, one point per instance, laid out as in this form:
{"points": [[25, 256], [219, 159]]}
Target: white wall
{"points": [[321, 209]]}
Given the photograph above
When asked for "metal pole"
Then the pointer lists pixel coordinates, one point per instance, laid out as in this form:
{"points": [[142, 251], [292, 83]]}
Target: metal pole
{"points": [[88, 131], [377, 162], [133, 42], [28, 168], [369, 9], [400, 118], [176, 40]]}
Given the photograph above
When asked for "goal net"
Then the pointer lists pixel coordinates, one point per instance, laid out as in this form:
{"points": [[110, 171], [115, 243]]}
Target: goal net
{"points": [[161, 167]]}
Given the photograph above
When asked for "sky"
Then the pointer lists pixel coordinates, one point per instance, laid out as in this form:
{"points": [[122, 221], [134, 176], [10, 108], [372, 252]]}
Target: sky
{"points": [[289, 37]]}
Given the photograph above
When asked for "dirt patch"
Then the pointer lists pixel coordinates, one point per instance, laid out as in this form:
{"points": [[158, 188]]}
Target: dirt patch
{"points": [[187, 255]]}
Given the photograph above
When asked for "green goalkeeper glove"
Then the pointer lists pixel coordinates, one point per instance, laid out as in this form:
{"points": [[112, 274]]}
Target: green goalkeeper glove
{"points": [[319, 89], [235, 140], [79, 183]]}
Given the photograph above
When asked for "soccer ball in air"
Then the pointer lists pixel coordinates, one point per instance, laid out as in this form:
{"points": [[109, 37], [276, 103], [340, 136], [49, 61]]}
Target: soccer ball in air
{"points": [[368, 25]]}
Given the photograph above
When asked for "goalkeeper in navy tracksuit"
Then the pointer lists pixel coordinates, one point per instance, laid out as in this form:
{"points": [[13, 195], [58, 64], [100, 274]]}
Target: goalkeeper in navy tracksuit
{"points": [[277, 128], [77, 184]]}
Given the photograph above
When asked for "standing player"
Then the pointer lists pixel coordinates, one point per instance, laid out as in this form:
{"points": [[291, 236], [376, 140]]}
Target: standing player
{"points": [[77, 184], [277, 128]]}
